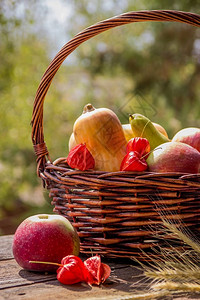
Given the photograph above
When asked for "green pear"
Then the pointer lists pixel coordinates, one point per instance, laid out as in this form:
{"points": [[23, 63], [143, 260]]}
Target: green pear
{"points": [[143, 127]]}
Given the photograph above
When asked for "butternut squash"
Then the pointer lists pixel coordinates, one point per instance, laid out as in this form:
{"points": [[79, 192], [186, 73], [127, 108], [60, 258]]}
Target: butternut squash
{"points": [[101, 131]]}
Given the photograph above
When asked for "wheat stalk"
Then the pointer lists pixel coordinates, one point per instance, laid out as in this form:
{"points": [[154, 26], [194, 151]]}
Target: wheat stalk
{"points": [[174, 274], [174, 286], [145, 296], [174, 270], [182, 236], [153, 295]]}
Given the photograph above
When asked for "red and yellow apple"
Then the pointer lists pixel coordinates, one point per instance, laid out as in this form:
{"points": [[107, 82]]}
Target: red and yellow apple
{"points": [[127, 131], [46, 238], [174, 157], [160, 129], [190, 136]]}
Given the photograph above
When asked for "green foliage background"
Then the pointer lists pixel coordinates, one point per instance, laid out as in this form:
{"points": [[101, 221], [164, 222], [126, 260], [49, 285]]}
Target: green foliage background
{"points": [[151, 68]]}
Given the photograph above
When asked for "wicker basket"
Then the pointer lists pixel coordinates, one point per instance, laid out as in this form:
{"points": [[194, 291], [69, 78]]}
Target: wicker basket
{"points": [[112, 211]]}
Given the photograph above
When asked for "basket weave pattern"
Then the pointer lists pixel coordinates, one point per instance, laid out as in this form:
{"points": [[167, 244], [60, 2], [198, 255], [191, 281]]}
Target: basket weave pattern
{"points": [[112, 212]]}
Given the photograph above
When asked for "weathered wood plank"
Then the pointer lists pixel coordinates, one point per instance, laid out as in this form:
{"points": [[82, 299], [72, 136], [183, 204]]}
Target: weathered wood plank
{"points": [[19, 284], [13, 275], [53, 290], [6, 247], [16, 283], [114, 288]]}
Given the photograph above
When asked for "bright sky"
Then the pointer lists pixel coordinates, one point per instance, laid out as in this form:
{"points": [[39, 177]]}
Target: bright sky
{"points": [[58, 9], [57, 20]]}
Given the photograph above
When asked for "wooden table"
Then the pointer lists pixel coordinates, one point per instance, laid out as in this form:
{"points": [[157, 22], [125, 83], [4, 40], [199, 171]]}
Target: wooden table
{"points": [[16, 283]]}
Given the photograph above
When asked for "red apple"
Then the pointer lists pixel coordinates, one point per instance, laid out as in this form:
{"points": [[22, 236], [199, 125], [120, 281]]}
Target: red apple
{"points": [[174, 157], [190, 136], [46, 238]]}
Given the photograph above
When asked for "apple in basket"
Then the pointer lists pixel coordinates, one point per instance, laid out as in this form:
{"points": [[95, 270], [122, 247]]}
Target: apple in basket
{"points": [[190, 136], [44, 237], [174, 157]]}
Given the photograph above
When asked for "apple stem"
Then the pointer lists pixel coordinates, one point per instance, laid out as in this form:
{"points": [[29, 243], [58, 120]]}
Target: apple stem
{"points": [[44, 262], [150, 152]]}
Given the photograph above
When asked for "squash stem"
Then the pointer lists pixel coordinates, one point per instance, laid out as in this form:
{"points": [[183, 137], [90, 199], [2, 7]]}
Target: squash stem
{"points": [[88, 107]]}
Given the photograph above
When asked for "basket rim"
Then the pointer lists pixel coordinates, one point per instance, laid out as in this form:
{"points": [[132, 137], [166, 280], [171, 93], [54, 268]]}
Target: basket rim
{"points": [[37, 134], [62, 174]]}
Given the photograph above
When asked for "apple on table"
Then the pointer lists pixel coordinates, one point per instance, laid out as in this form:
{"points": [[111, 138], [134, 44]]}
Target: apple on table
{"points": [[46, 238]]}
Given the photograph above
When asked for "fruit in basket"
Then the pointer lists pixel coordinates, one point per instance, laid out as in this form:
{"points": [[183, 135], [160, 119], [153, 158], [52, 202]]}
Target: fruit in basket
{"points": [[129, 133], [80, 158], [137, 152], [143, 127], [72, 141], [44, 237], [101, 131], [133, 162], [160, 128], [141, 145], [190, 136], [174, 157]]}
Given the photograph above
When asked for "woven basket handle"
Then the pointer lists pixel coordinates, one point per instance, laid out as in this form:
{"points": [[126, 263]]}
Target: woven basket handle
{"points": [[129, 17]]}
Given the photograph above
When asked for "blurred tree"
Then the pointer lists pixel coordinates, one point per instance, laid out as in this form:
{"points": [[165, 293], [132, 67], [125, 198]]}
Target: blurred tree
{"points": [[152, 68], [160, 60], [22, 55]]}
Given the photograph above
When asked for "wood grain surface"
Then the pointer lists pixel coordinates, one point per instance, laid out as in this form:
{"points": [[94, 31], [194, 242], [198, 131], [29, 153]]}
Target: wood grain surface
{"points": [[16, 283]]}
